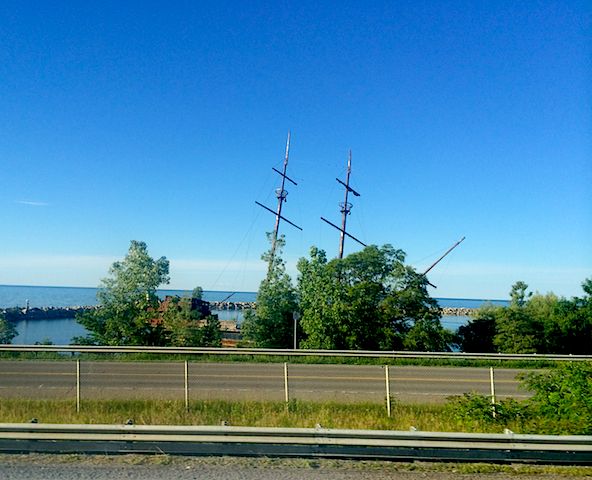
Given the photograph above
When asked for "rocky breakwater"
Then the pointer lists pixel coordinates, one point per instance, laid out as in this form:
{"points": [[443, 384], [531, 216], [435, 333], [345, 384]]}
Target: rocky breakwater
{"points": [[458, 311], [232, 305], [16, 314], [450, 311]]}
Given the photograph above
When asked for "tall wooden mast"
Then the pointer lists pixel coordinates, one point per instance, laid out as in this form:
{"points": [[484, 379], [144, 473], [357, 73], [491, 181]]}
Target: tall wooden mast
{"points": [[281, 194], [440, 259], [345, 207], [345, 210]]}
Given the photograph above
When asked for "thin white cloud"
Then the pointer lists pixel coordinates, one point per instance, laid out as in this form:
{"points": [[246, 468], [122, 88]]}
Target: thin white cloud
{"points": [[32, 203]]}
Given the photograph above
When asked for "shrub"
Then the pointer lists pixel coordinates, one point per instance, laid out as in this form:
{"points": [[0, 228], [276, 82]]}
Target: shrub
{"points": [[476, 408], [564, 395], [7, 330]]}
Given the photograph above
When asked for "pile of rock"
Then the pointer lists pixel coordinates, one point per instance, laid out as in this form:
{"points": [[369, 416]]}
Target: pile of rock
{"points": [[16, 314], [458, 311], [232, 305]]}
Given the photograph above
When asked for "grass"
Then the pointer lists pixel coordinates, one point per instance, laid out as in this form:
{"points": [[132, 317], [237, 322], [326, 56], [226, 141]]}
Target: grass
{"points": [[147, 357], [213, 412], [255, 414], [272, 414]]}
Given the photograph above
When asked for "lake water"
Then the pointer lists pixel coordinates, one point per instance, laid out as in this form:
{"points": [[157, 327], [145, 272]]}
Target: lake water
{"points": [[60, 331], [17, 296]]}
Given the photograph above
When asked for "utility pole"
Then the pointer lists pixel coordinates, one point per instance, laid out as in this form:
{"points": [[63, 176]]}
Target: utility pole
{"points": [[345, 210], [281, 194]]}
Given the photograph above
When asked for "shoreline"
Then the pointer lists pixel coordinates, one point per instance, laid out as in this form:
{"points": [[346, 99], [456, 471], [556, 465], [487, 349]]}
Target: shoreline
{"points": [[15, 314]]}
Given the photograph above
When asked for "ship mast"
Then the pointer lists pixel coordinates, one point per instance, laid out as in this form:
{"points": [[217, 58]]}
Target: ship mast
{"points": [[281, 194], [440, 259], [345, 207]]}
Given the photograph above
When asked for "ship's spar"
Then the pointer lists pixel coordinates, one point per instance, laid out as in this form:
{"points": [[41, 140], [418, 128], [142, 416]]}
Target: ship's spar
{"points": [[345, 208], [281, 194]]}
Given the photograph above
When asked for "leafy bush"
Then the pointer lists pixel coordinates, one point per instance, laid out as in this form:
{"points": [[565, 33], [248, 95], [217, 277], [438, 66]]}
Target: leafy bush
{"points": [[563, 395], [532, 324], [561, 404], [7, 330], [471, 408]]}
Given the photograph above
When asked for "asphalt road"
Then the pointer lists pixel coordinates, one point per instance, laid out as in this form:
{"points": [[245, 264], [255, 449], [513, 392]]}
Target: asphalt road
{"points": [[250, 381]]}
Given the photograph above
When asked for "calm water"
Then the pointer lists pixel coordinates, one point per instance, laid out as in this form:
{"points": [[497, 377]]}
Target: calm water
{"points": [[17, 296], [60, 331]]}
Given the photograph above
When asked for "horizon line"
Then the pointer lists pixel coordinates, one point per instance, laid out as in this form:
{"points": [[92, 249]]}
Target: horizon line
{"points": [[229, 291]]}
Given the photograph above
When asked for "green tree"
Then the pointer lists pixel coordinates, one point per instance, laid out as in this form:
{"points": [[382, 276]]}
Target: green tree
{"points": [[367, 300], [128, 303], [7, 330], [532, 324], [320, 303], [270, 325], [518, 294], [185, 325], [478, 334], [428, 335], [563, 395], [413, 315], [517, 330], [567, 323], [197, 293]]}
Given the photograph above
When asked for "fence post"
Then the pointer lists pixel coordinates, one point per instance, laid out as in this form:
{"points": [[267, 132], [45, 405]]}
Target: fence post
{"points": [[286, 392], [492, 382], [77, 385], [388, 390], [186, 386]]}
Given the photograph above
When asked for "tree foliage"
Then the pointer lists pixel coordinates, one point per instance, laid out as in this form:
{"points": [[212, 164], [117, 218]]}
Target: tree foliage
{"points": [[197, 293], [561, 403], [563, 394], [7, 330], [532, 324], [271, 324], [367, 300], [477, 335], [185, 324], [130, 312], [128, 301]]}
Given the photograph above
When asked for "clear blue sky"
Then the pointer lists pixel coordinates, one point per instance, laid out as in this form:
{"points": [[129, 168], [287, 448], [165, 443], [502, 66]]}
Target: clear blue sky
{"points": [[161, 122]]}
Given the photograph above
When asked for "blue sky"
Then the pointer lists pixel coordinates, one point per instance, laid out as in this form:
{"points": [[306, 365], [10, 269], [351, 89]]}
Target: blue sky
{"points": [[161, 122]]}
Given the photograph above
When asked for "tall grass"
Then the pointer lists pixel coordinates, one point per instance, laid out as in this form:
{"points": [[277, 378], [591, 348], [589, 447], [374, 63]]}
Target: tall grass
{"points": [[262, 414], [294, 359]]}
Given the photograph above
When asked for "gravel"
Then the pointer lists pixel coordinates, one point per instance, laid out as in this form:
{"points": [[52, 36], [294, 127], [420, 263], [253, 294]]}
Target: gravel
{"points": [[138, 467]]}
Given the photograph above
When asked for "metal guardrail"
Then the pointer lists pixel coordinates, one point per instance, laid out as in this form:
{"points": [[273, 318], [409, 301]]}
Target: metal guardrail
{"points": [[290, 353], [295, 442]]}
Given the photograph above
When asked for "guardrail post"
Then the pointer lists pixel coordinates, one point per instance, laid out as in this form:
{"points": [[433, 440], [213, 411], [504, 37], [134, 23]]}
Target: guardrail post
{"points": [[296, 317], [286, 391], [492, 382], [388, 390], [186, 386], [77, 385]]}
